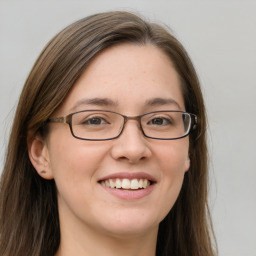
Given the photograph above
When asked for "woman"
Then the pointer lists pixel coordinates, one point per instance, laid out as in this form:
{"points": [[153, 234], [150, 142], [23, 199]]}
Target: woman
{"points": [[107, 154]]}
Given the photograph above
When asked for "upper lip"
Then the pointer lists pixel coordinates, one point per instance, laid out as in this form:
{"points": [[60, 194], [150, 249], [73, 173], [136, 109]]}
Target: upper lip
{"points": [[129, 175]]}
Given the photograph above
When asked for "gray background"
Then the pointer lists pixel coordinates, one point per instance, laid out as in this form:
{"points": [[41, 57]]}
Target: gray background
{"points": [[220, 37]]}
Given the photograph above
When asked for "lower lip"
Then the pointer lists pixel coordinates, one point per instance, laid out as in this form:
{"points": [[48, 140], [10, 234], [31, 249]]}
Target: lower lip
{"points": [[130, 194]]}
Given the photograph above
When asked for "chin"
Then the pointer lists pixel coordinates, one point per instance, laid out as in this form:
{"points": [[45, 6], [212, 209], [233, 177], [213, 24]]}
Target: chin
{"points": [[130, 223]]}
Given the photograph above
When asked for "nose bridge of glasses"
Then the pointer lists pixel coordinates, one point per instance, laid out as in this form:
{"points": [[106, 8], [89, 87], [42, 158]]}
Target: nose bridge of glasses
{"points": [[134, 118]]}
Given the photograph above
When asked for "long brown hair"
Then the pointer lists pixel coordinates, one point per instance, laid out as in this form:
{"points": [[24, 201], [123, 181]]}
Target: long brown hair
{"points": [[29, 222]]}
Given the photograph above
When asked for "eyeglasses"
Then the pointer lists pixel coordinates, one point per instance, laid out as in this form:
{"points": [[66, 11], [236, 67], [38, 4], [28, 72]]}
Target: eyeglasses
{"points": [[98, 125]]}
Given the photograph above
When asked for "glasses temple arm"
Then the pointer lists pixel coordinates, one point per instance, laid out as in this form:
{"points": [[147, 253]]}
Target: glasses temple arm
{"points": [[62, 119]]}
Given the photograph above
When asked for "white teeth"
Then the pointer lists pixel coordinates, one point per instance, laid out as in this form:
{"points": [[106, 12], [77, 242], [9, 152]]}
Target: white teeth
{"points": [[112, 183], [141, 183], [118, 183], [134, 184], [145, 183], [126, 183], [107, 183]]}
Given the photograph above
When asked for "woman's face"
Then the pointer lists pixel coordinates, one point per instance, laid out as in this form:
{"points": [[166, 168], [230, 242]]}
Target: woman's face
{"points": [[131, 80]]}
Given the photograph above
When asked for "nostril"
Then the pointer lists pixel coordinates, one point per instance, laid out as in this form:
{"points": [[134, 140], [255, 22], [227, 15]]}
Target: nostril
{"points": [[131, 146]]}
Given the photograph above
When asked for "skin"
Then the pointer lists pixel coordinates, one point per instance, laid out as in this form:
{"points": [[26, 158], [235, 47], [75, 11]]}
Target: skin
{"points": [[92, 220]]}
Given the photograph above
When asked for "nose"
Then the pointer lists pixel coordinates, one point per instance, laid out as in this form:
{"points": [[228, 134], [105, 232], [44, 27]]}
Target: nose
{"points": [[131, 145]]}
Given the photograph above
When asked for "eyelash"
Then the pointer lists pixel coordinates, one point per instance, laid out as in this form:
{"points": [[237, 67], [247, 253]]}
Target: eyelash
{"points": [[168, 121], [89, 119]]}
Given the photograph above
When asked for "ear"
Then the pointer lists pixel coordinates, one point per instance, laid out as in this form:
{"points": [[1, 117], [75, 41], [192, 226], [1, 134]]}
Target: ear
{"points": [[187, 164], [39, 156]]}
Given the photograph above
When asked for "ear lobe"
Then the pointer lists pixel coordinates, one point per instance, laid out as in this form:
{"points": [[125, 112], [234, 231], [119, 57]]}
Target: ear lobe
{"points": [[39, 157], [187, 164]]}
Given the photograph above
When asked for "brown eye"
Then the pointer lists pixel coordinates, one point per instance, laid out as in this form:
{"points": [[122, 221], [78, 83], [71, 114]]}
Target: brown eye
{"points": [[160, 121], [94, 121]]}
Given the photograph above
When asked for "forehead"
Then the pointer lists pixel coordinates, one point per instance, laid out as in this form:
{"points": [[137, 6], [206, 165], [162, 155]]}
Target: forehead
{"points": [[128, 75]]}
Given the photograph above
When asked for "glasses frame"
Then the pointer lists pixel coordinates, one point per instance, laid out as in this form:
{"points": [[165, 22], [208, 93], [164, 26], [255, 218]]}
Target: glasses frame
{"points": [[68, 120]]}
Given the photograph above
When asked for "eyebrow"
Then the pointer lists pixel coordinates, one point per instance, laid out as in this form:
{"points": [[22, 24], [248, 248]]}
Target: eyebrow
{"points": [[155, 102], [106, 102], [103, 102]]}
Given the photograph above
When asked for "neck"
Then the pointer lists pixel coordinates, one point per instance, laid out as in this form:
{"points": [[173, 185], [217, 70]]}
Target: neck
{"points": [[93, 243], [82, 240]]}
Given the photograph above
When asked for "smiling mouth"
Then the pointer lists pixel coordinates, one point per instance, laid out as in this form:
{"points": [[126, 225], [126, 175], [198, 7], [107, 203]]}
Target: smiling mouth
{"points": [[126, 184]]}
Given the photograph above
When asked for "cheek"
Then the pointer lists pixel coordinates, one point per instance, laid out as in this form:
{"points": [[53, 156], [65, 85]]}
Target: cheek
{"points": [[74, 164], [174, 162], [173, 157], [74, 161], [173, 169]]}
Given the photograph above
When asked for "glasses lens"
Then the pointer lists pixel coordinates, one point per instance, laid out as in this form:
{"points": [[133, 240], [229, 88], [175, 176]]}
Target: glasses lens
{"points": [[96, 125], [166, 124], [103, 125]]}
